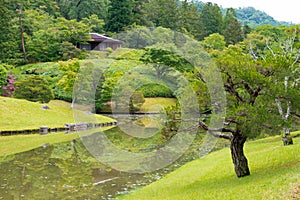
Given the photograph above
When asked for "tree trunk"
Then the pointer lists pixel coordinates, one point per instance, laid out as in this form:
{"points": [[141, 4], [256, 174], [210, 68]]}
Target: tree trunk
{"points": [[237, 153], [22, 33], [287, 138], [73, 102]]}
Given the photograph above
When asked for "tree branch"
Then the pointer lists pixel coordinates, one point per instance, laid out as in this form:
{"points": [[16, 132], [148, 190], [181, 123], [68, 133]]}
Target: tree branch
{"points": [[213, 131], [231, 89], [253, 93], [296, 114], [271, 50], [251, 52]]}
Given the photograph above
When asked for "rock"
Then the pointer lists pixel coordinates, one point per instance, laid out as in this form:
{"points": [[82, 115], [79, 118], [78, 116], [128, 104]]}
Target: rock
{"points": [[45, 107]]}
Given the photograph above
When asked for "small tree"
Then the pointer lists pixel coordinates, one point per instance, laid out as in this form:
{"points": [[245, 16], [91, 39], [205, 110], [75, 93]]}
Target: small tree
{"points": [[69, 75], [163, 60], [232, 28], [137, 100], [33, 88]]}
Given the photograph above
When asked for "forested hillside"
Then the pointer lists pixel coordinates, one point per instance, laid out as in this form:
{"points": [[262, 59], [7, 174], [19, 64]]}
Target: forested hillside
{"points": [[39, 31], [249, 15], [254, 18]]}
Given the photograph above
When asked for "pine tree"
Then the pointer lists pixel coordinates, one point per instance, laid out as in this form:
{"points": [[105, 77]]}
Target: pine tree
{"points": [[212, 19], [190, 19], [232, 28], [119, 15], [163, 13], [139, 13]]}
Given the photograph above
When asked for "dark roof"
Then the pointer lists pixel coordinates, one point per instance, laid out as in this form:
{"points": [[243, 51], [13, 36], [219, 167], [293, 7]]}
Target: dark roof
{"points": [[102, 38]]}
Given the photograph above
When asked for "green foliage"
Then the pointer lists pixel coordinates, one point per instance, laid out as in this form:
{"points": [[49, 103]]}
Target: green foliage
{"points": [[280, 57], [270, 31], [95, 24], [156, 90], [212, 19], [190, 22], [46, 38], [172, 123], [3, 77], [79, 10], [52, 29], [69, 70], [138, 98], [139, 13], [119, 15], [214, 41], [163, 13], [10, 41], [163, 61], [248, 92], [138, 37], [33, 88], [232, 28]]}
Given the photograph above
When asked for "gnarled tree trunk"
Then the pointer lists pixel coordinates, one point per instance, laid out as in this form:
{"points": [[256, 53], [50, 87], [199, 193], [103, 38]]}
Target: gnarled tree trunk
{"points": [[237, 153]]}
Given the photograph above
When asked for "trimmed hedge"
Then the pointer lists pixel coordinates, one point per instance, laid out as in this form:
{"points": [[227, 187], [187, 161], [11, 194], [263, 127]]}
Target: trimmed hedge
{"points": [[156, 90]]}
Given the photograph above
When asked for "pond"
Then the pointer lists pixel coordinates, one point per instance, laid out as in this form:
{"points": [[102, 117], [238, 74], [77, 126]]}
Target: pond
{"points": [[68, 171]]}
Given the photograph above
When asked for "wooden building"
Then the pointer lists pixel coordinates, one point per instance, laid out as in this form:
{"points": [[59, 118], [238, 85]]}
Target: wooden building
{"points": [[100, 42]]}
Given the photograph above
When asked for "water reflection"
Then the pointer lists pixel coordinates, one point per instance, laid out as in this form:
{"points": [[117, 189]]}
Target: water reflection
{"points": [[68, 171], [63, 171]]}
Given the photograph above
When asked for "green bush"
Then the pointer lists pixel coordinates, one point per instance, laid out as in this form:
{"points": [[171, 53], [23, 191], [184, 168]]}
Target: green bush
{"points": [[3, 77], [137, 100], [33, 88], [156, 90]]}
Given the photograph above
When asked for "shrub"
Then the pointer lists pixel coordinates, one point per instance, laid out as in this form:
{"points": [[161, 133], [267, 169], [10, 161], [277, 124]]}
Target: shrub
{"points": [[137, 99], [3, 78], [33, 88], [156, 90], [9, 88]]}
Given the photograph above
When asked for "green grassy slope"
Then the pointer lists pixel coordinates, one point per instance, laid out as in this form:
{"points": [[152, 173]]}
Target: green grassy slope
{"points": [[16, 114], [157, 104], [275, 174]]}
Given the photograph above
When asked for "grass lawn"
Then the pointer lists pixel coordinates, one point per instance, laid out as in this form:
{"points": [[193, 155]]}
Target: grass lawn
{"points": [[275, 174], [156, 104], [16, 114]]}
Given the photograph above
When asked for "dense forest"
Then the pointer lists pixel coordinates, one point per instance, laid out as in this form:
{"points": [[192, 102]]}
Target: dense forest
{"points": [[35, 31], [259, 65]]}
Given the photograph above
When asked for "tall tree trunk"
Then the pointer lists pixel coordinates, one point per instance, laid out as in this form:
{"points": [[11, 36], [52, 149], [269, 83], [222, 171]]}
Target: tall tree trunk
{"points": [[237, 153], [22, 33], [286, 137]]}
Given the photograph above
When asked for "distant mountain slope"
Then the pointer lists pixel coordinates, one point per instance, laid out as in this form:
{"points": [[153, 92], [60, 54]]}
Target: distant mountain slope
{"points": [[253, 17], [249, 15]]}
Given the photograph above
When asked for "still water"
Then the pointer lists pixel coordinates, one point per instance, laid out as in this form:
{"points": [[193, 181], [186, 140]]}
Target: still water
{"points": [[67, 171]]}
